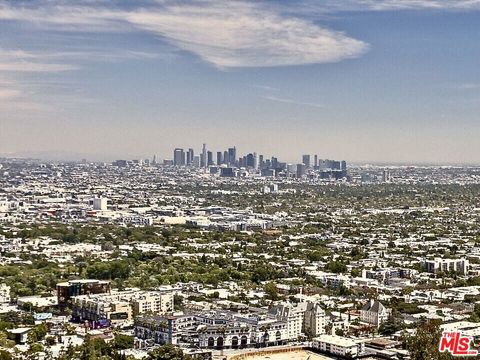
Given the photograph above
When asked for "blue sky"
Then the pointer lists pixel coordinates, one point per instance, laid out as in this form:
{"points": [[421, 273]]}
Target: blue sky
{"points": [[362, 80]]}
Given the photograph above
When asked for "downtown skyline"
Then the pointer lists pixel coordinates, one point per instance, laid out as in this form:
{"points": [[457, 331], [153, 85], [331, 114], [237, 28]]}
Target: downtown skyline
{"points": [[367, 81]]}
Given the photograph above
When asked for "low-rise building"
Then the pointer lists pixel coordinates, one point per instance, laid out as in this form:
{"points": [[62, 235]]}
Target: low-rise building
{"points": [[67, 290], [436, 265], [120, 306], [338, 346]]}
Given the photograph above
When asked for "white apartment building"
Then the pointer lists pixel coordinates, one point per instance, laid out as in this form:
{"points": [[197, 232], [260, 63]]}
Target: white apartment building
{"points": [[315, 320], [447, 265], [293, 315], [338, 346], [304, 317], [374, 313]]}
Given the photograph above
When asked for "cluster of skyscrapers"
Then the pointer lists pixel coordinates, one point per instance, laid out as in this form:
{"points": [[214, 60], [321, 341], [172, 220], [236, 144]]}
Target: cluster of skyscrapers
{"points": [[227, 161], [205, 158]]}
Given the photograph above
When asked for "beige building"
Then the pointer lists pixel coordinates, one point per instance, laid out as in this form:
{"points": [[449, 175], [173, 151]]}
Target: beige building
{"points": [[374, 313], [121, 306], [152, 302]]}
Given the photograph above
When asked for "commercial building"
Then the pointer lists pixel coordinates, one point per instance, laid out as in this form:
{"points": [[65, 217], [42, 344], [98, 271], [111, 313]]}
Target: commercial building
{"points": [[100, 203], [69, 289], [178, 157], [121, 305], [306, 160], [213, 329]]}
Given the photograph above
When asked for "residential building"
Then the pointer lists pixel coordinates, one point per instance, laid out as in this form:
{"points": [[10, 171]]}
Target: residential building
{"points": [[374, 313]]}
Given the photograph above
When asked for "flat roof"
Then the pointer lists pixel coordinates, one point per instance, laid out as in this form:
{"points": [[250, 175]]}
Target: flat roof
{"points": [[337, 340]]}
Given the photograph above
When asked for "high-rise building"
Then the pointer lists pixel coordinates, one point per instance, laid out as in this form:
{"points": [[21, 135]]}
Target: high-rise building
{"points": [[315, 161], [292, 169], [274, 162], [196, 161], [219, 158], [232, 156], [306, 160], [300, 170], [209, 158], [178, 157], [226, 159], [250, 161], [190, 156], [321, 164], [343, 165], [260, 162], [203, 162]]}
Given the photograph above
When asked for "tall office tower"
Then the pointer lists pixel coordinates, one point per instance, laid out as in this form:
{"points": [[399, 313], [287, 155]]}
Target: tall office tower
{"points": [[274, 163], [306, 160], [260, 162], [343, 165], [232, 156], [291, 169], [315, 161], [190, 155], [209, 158], [268, 164], [178, 157], [196, 161], [225, 157], [255, 160], [300, 170], [219, 158], [322, 165], [154, 160], [250, 161], [189, 160], [203, 160]]}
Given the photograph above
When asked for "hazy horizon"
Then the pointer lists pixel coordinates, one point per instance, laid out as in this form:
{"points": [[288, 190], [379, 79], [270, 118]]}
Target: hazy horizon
{"points": [[387, 81]]}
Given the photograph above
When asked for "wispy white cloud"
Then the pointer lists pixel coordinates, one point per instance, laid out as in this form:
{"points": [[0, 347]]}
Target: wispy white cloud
{"points": [[292, 101], [469, 86], [84, 16], [225, 34], [327, 6], [265, 87], [382, 5], [22, 61], [241, 34]]}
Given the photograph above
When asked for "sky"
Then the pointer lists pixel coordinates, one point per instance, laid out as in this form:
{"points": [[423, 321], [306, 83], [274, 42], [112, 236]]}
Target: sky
{"points": [[395, 81]]}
